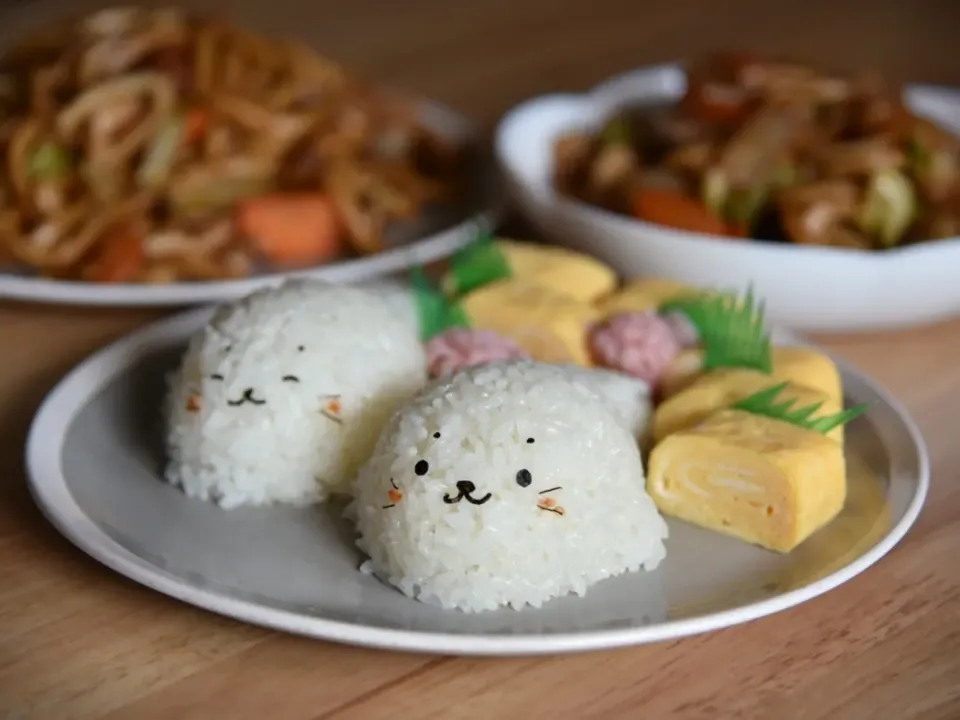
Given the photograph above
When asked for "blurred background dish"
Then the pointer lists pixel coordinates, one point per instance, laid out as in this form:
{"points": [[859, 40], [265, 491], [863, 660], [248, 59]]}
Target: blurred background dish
{"points": [[180, 152], [773, 150], [816, 286]]}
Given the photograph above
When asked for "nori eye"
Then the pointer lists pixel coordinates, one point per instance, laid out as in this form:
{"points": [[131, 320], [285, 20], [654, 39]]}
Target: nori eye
{"points": [[524, 478], [422, 467]]}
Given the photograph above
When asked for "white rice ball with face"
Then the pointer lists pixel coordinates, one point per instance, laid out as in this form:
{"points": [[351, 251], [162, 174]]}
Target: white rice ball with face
{"points": [[401, 299], [627, 397], [505, 485], [282, 395]]}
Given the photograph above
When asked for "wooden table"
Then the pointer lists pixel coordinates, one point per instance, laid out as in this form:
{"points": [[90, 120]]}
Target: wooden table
{"points": [[77, 641]]}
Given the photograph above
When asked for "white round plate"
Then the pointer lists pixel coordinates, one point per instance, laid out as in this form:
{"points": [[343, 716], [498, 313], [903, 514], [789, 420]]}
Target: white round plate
{"points": [[440, 232], [94, 460], [805, 287]]}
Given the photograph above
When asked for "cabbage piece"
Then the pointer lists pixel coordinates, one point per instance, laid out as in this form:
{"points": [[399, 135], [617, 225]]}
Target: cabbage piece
{"points": [[889, 208], [158, 161]]}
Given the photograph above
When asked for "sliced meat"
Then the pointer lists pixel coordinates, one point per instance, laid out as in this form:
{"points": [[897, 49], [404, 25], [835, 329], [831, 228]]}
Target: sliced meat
{"points": [[821, 214], [860, 157], [754, 153]]}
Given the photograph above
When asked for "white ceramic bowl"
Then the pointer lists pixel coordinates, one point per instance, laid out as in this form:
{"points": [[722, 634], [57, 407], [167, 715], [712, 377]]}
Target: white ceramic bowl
{"points": [[809, 288]]}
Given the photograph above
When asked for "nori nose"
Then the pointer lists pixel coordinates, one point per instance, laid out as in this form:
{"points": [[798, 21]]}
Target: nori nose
{"points": [[465, 486]]}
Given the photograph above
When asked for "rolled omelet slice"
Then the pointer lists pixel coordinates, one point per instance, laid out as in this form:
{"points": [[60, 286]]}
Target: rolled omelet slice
{"points": [[719, 389], [797, 365], [550, 326], [644, 295], [564, 271], [765, 481], [681, 373]]}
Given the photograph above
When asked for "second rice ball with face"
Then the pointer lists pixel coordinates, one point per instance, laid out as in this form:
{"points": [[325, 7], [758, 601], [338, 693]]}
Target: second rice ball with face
{"points": [[505, 485]]}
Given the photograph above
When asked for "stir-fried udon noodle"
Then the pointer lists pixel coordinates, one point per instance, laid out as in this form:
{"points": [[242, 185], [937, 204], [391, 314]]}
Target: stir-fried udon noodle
{"points": [[150, 146]]}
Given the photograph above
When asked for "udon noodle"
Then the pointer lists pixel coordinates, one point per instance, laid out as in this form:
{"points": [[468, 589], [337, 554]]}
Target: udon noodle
{"points": [[151, 146]]}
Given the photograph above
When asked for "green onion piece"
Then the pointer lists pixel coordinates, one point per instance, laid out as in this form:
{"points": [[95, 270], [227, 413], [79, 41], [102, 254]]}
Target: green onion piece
{"points": [[456, 316], [220, 194], [744, 206], [616, 132], [436, 313], [715, 190], [478, 264], [49, 163], [786, 176], [889, 208], [161, 154], [918, 157]]}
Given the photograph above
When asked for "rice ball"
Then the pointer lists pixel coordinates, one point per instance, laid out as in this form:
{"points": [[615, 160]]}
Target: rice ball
{"points": [[627, 397], [505, 485], [282, 395], [399, 296]]}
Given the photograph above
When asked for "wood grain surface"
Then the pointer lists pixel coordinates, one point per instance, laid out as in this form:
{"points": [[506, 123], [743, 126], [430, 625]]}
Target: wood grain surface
{"points": [[77, 641]]}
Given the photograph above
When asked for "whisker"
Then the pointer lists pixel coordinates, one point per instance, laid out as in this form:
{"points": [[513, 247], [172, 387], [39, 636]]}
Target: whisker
{"points": [[330, 416], [393, 484], [544, 492], [558, 511], [387, 507]]}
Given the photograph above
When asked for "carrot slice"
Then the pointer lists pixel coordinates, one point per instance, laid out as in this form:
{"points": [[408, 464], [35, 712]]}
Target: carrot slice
{"points": [[121, 260], [712, 103], [676, 210], [715, 93], [291, 229], [195, 124]]}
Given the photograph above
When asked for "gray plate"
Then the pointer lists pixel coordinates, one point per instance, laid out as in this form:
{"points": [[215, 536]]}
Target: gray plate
{"points": [[439, 232], [95, 458]]}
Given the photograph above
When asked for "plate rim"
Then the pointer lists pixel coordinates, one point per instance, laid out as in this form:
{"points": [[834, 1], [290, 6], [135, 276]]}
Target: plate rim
{"points": [[51, 494], [419, 251]]}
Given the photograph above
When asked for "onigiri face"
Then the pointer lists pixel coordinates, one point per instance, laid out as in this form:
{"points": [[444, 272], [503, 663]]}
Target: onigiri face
{"points": [[518, 471], [292, 383], [277, 366], [490, 479]]}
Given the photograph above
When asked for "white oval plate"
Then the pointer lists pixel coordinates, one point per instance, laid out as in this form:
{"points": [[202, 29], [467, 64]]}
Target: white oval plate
{"points": [[806, 288], [438, 234], [94, 457]]}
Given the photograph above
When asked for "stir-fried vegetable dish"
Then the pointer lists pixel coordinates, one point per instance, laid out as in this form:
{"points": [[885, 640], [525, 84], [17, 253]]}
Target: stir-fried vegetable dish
{"points": [[151, 146], [777, 150]]}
